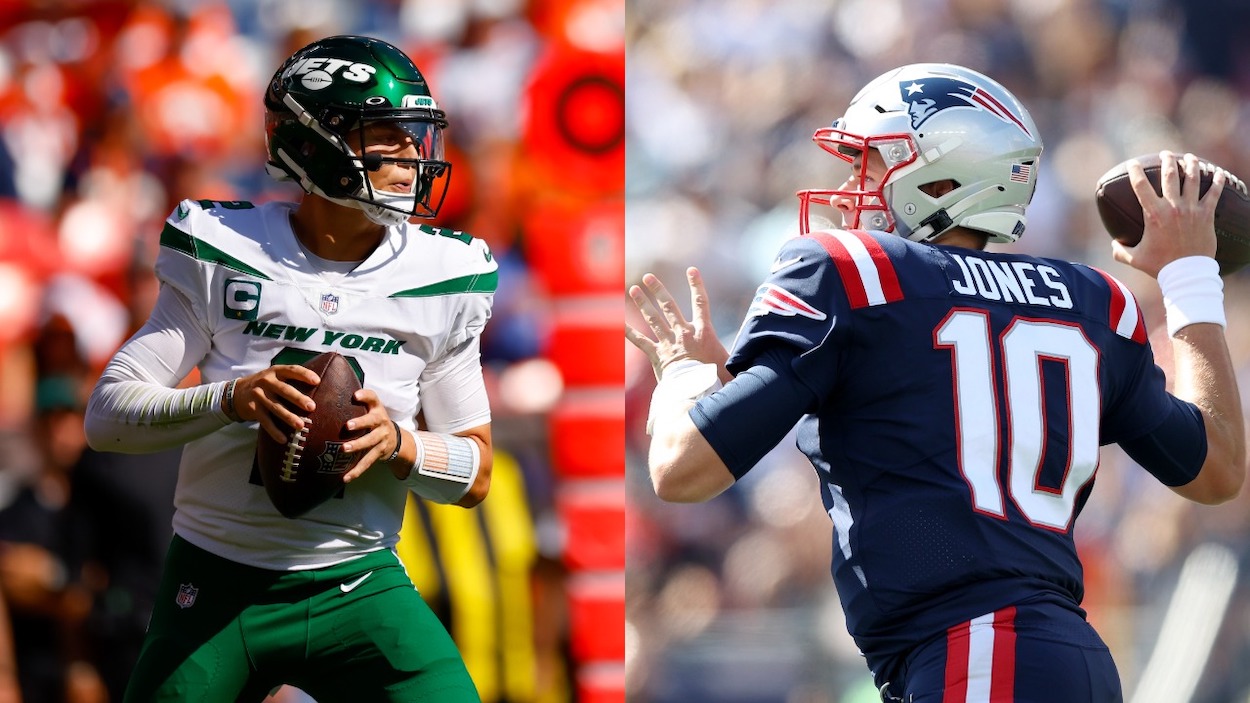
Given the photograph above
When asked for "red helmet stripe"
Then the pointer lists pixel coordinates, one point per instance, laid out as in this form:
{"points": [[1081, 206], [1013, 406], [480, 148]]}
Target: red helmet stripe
{"points": [[993, 105]]}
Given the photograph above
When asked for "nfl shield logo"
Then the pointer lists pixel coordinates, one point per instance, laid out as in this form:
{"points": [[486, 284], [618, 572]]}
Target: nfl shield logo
{"points": [[186, 595], [329, 303], [334, 460]]}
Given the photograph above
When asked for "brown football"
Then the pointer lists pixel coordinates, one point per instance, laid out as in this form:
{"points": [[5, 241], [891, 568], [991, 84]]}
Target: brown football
{"points": [[307, 469], [1121, 212]]}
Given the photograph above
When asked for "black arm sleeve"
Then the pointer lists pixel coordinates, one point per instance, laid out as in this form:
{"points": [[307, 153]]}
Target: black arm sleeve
{"points": [[748, 417], [1175, 451]]}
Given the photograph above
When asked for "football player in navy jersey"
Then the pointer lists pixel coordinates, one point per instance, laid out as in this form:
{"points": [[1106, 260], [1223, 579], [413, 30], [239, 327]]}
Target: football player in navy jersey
{"points": [[951, 400]]}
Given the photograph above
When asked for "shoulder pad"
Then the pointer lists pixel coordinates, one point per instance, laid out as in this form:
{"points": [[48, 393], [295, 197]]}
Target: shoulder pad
{"points": [[192, 230], [864, 265], [186, 207]]}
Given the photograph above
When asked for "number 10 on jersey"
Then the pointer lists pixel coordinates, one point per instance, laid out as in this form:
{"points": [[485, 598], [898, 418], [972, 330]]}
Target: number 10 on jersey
{"points": [[1022, 350]]}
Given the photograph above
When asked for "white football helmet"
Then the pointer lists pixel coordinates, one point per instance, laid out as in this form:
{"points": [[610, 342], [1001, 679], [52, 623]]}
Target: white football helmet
{"points": [[934, 122]]}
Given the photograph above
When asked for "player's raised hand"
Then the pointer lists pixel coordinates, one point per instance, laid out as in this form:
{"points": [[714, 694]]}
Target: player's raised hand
{"points": [[675, 337], [1177, 222]]}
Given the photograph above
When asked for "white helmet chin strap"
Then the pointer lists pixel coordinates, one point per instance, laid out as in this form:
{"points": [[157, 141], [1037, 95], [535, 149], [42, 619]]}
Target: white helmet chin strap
{"points": [[382, 216], [406, 204], [376, 214]]}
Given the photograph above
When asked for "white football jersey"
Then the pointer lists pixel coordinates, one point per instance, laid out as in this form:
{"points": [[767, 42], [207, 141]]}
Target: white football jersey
{"points": [[421, 299]]}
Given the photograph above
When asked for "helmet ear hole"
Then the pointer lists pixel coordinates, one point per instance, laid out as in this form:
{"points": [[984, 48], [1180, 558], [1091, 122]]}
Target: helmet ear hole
{"points": [[937, 189]]}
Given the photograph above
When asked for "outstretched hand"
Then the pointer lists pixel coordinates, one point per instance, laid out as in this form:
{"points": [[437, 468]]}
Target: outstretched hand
{"points": [[676, 338]]}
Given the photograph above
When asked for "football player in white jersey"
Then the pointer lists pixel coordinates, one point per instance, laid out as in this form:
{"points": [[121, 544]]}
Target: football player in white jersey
{"points": [[250, 599]]}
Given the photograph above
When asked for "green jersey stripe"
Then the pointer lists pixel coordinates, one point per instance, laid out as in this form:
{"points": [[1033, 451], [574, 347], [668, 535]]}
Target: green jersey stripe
{"points": [[444, 232], [176, 239], [477, 283]]}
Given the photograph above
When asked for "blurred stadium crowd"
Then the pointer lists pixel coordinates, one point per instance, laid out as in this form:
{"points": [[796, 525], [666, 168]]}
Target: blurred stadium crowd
{"points": [[732, 600], [111, 111]]}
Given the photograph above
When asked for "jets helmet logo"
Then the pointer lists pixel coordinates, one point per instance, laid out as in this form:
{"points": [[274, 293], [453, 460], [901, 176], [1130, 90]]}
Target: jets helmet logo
{"points": [[320, 72], [929, 96]]}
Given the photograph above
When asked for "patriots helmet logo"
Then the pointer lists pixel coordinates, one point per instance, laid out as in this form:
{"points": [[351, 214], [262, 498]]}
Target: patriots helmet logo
{"points": [[933, 94]]}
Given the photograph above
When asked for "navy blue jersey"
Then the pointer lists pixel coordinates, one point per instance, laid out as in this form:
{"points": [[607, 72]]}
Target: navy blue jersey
{"points": [[962, 399]]}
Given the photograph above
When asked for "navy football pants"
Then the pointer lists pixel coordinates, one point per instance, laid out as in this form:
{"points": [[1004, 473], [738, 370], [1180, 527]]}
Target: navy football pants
{"points": [[1037, 653]]}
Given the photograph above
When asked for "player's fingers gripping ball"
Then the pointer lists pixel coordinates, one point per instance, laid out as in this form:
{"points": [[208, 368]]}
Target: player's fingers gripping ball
{"points": [[1123, 216], [380, 438], [307, 468]]}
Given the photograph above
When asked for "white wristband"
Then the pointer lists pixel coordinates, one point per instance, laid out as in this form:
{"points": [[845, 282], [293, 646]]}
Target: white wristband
{"points": [[446, 466], [683, 381], [1192, 292]]}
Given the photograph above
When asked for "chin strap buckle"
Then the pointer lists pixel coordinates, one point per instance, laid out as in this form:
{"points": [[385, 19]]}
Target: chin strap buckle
{"points": [[940, 221]]}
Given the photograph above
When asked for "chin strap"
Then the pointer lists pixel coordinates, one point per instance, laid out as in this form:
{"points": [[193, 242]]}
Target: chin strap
{"points": [[934, 225], [386, 216]]}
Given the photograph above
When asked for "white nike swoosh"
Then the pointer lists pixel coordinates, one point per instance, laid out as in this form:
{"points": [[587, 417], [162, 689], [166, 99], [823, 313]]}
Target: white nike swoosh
{"points": [[778, 265], [351, 585]]}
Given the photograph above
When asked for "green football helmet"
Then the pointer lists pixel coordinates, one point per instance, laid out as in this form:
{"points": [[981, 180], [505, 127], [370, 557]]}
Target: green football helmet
{"points": [[317, 108]]}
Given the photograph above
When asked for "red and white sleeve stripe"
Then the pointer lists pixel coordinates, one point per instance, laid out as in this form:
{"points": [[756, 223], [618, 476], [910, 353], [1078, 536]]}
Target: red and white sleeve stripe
{"points": [[1124, 315], [868, 275]]}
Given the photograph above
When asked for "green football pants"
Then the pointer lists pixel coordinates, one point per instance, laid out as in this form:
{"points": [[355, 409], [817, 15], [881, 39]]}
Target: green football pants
{"points": [[223, 632]]}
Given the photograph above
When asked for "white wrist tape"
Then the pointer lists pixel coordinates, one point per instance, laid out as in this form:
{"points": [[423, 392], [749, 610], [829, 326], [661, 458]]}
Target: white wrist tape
{"points": [[445, 468], [682, 382], [1192, 292]]}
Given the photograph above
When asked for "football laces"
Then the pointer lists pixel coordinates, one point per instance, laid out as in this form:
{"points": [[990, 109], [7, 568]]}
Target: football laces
{"points": [[294, 451]]}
